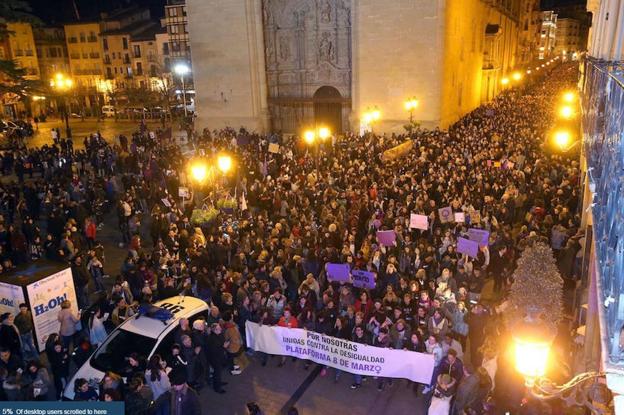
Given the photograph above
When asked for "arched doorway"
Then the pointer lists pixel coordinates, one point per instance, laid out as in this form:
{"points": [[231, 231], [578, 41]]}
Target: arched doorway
{"points": [[328, 108]]}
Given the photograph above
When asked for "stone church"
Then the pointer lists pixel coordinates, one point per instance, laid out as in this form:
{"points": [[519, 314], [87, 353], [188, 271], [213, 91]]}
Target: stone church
{"points": [[288, 65]]}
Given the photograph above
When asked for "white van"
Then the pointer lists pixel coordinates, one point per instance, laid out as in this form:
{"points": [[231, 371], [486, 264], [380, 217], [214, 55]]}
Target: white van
{"points": [[142, 335], [108, 111]]}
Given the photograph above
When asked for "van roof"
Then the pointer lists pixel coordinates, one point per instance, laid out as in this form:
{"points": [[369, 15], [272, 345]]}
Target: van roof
{"points": [[182, 307]]}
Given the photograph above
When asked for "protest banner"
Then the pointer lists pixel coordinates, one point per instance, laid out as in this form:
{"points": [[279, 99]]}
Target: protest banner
{"points": [[468, 247], [397, 151], [274, 148], [340, 354], [446, 214], [419, 222], [363, 279], [11, 296], [460, 217], [481, 236], [337, 272], [386, 238]]}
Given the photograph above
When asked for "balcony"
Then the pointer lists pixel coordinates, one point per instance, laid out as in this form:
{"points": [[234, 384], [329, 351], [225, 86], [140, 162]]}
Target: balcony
{"points": [[72, 40], [94, 55], [74, 55], [92, 39]]}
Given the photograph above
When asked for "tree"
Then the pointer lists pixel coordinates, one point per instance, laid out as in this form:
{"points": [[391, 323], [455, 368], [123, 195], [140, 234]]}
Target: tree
{"points": [[537, 290]]}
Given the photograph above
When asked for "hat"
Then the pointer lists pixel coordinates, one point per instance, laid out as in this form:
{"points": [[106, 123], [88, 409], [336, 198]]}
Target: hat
{"points": [[178, 377]]}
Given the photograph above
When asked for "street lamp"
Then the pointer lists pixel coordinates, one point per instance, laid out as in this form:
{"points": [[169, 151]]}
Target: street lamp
{"points": [[182, 69], [410, 105], [569, 97], [516, 76], [505, 81], [224, 162], [199, 171], [566, 112], [532, 340], [61, 83], [323, 133], [309, 137]]}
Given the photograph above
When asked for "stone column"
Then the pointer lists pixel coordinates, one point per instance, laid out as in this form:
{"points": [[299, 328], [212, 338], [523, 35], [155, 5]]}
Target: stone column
{"points": [[227, 45]]}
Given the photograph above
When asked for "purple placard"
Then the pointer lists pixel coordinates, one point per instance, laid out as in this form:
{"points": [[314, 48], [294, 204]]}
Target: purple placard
{"points": [[466, 246], [363, 279], [337, 272], [386, 238], [481, 236]]}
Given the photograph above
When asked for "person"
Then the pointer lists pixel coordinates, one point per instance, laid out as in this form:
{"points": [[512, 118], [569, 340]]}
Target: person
{"points": [[9, 362], [452, 366], [136, 400], [158, 381], [9, 335], [184, 400], [448, 342], [216, 355], [121, 312], [441, 400], [83, 391], [466, 391], [234, 343], [135, 366], [97, 330], [59, 363], [432, 346], [382, 340], [40, 384], [24, 324], [68, 320]]}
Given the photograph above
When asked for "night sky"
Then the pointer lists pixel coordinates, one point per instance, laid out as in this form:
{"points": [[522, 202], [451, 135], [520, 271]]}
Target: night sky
{"points": [[60, 11]]}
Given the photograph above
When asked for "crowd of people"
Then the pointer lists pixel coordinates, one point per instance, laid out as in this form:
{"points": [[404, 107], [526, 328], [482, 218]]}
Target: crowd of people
{"points": [[296, 210]]}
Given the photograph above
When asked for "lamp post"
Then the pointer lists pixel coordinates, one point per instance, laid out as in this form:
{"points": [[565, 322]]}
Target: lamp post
{"points": [[532, 340], [310, 137], [182, 69], [410, 105], [370, 116], [61, 83]]}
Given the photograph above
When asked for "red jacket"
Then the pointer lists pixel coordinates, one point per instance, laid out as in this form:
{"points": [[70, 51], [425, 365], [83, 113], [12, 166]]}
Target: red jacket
{"points": [[291, 324], [90, 230]]}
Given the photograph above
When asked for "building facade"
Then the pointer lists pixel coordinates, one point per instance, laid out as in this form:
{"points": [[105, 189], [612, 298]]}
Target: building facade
{"points": [[568, 37], [85, 50], [51, 51], [548, 34], [530, 25], [176, 23], [20, 47], [286, 65]]}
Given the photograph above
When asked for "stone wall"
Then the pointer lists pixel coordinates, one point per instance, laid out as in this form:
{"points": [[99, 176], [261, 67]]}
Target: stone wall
{"points": [[228, 64]]}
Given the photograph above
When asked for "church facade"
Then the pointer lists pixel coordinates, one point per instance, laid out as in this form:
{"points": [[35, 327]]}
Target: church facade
{"points": [[288, 65]]}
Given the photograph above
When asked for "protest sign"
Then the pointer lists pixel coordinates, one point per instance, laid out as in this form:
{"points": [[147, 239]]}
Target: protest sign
{"points": [[459, 217], [183, 192], [475, 216], [337, 272], [363, 279], [419, 222], [165, 202], [446, 214], [386, 238], [481, 236], [274, 148], [466, 246], [341, 354]]}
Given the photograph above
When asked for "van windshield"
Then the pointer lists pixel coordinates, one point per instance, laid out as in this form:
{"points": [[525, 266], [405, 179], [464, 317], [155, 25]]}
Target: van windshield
{"points": [[117, 347]]}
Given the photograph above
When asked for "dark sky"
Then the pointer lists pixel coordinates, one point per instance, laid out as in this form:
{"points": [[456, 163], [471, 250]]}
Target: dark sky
{"points": [[58, 11], [549, 4]]}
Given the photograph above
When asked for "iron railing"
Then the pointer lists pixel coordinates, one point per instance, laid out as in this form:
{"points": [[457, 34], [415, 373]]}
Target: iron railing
{"points": [[603, 146]]}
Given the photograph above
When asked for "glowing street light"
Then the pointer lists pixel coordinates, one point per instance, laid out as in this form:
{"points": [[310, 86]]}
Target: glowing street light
{"points": [[410, 105], [324, 133], [199, 171], [505, 81], [532, 342], [569, 97], [224, 162], [566, 112], [528, 71], [376, 114], [516, 76], [309, 137], [562, 139], [182, 69], [62, 83]]}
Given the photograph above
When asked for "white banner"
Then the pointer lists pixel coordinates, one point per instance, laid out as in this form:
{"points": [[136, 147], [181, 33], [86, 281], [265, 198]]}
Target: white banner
{"points": [[45, 298], [341, 354], [11, 296]]}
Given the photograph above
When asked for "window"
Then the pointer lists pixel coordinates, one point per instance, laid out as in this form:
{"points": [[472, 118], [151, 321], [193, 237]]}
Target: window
{"points": [[92, 37], [173, 11], [174, 29], [105, 44], [137, 51], [175, 46], [112, 354], [53, 53], [165, 48], [139, 68], [126, 58], [124, 40], [115, 70], [109, 73], [83, 38]]}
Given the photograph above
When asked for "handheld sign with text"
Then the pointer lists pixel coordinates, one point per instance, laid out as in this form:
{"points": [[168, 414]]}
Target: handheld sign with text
{"points": [[468, 247], [481, 236], [183, 192], [475, 216], [363, 279], [419, 222], [460, 217], [337, 272], [446, 214], [274, 148], [386, 238]]}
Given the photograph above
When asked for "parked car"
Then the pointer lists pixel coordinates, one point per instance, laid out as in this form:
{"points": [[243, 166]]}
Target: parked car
{"points": [[143, 335], [108, 111]]}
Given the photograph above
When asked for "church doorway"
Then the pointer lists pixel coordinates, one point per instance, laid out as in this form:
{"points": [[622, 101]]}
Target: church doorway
{"points": [[328, 108]]}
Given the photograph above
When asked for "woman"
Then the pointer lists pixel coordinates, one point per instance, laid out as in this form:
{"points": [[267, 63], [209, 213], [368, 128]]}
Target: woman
{"points": [[437, 324], [59, 363], [83, 391], [460, 327], [158, 381], [68, 321], [364, 304], [41, 385], [97, 330]]}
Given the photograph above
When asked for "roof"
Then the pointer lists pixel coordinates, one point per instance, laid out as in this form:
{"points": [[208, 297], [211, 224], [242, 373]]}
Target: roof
{"points": [[149, 32], [146, 326]]}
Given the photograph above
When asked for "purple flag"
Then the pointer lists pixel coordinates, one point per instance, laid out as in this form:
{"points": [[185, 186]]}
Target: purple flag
{"points": [[386, 238], [481, 236], [337, 272], [466, 246], [363, 279]]}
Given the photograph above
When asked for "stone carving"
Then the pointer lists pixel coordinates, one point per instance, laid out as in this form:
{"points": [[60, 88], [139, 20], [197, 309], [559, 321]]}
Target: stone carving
{"points": [[326, 48], [326, 11], [284, 48], [270, 49]]}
